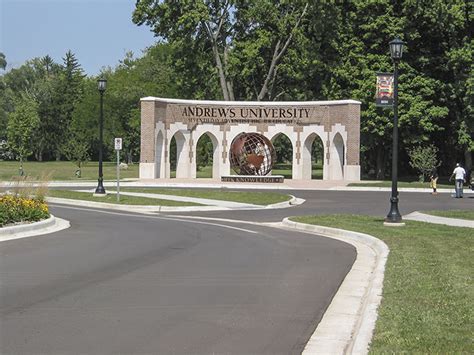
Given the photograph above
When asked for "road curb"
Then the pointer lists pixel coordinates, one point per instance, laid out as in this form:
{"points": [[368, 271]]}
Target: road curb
{"points": [[50, 225], [294, 201], [348, 323], [131, 208], [157, 209]]}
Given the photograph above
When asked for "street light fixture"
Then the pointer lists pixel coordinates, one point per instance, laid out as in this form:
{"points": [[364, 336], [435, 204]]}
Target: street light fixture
{"points": [[396, 52], [102, 84]]}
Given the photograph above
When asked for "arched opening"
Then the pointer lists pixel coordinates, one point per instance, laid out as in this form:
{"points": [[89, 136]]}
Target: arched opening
{"points": [[317, 158], [337, 158], [159, 156], [207, 156], [313, 157], [177, 156], [284, 156]]}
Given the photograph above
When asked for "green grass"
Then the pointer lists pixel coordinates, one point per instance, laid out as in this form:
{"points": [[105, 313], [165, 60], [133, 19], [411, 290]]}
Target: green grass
{"points": [[204, 172], [428, 302], [462, 214], [112, 198], [64, 170], [257, 198], [286, 171]]}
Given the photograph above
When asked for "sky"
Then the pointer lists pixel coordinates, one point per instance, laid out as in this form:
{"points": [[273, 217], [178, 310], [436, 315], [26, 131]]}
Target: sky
{"points": [[98, 32]]}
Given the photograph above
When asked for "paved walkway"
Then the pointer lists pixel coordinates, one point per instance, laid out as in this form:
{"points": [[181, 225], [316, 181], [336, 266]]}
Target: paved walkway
{"points": [[288, 184], [456, 222]]}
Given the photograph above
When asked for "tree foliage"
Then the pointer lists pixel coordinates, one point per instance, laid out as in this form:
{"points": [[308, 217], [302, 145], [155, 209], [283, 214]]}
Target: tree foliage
{"points": [[21, 125], [267, 50], [424, 159]]}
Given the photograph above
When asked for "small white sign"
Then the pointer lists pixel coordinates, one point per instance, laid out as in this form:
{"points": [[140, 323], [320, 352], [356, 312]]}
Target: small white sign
{"points": [[118, 143]]}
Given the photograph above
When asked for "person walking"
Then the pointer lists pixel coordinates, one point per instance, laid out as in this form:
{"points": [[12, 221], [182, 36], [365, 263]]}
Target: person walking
{"points": [[434, 180], [459, 175]]}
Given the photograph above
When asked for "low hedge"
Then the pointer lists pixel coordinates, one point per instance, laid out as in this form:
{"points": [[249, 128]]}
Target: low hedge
{"points": [[15, 209]]}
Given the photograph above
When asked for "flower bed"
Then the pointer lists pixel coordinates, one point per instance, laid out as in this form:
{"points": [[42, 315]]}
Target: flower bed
{"points": [[16, 209]]}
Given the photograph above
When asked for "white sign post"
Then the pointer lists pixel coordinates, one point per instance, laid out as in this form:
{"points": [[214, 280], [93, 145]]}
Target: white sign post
{"points": [[118, 148]]}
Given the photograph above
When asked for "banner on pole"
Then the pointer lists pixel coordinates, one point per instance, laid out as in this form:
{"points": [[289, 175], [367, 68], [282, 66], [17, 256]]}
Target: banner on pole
{"points": [[384, 91]]}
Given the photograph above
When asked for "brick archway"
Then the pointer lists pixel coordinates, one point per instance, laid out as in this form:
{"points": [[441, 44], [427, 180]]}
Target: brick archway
{"points": [[337, 123]]}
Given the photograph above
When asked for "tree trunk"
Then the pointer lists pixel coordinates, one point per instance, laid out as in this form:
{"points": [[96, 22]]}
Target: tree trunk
{"points": [[468, 159], [380, 163], [39, 155], [277, 53]]}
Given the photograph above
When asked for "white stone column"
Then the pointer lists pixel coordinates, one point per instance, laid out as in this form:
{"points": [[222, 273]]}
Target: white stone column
{"points": [[160, 167], [183, 164], [327, 157], [336, 158]]}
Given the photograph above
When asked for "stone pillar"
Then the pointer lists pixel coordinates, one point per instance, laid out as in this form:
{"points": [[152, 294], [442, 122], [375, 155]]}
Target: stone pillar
{"points": [[147, 147], [352, 166]]}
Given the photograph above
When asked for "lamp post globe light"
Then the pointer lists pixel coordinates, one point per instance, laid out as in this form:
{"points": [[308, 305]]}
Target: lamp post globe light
{"points": [[396, 52], [102, 84]]}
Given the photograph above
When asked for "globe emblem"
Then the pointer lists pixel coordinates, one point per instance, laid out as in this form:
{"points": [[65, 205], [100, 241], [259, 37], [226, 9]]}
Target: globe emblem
{"points": [[252, 154]]}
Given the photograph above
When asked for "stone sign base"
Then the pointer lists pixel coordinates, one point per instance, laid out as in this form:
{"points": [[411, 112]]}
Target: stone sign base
{"points": [[253, 178]]}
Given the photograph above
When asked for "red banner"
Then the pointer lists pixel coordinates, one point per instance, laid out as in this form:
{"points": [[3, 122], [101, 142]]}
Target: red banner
{"points": [[384, 92]]}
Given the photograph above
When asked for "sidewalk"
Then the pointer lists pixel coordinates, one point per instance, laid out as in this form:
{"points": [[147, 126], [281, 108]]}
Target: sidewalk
{"points": [[455, 222], [288, 184]]}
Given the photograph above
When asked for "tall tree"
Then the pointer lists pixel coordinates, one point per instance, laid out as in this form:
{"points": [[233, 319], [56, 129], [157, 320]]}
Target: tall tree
{"points": [[69, 86], [21, 124], [231, 32]]}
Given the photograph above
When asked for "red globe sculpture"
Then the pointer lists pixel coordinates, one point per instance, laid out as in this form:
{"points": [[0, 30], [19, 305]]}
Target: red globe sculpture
{"points": [[252, 154]]}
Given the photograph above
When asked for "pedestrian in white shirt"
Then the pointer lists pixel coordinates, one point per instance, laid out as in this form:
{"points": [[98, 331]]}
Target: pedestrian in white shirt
{"points": [[459, 175]]}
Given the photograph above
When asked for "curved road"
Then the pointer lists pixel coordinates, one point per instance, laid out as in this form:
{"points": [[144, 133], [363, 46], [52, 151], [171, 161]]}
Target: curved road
{"points": [[125, 283], [372, 203]]}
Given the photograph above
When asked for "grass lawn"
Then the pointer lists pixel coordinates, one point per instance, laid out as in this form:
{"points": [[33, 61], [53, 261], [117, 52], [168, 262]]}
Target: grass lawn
{"points": [[203, 172], [257, 198], [462, 214], [286, 171], [112, 198], [64, 170], [428, 301]]}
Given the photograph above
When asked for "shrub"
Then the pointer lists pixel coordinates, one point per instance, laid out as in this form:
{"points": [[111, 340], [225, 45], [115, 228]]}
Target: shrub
{"points": [[14, 209]]}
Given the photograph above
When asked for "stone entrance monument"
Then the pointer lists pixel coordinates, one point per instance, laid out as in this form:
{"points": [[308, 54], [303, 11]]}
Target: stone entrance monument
{"points": [[336, 123]]}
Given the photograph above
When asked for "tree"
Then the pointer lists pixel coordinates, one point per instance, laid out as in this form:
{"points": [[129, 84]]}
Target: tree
{"points": [[424, 159], [76, 147], [230, 32], [21, 124], [204, 152], [3, 61], [69, 87]]}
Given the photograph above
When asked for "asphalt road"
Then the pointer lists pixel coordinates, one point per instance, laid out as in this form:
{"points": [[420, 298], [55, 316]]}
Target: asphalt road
{"points": [[371, 203], [124, 283]]}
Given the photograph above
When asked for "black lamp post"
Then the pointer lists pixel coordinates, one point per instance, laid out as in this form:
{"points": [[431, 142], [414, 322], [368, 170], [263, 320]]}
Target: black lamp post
{"points": [[102, 83], [396, 52]]}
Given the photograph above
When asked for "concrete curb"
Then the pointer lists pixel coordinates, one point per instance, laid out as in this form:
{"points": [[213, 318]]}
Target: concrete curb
{"points": [[348, 323], [50, 225], [132, 208], [294, 201], [158, 209]]}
